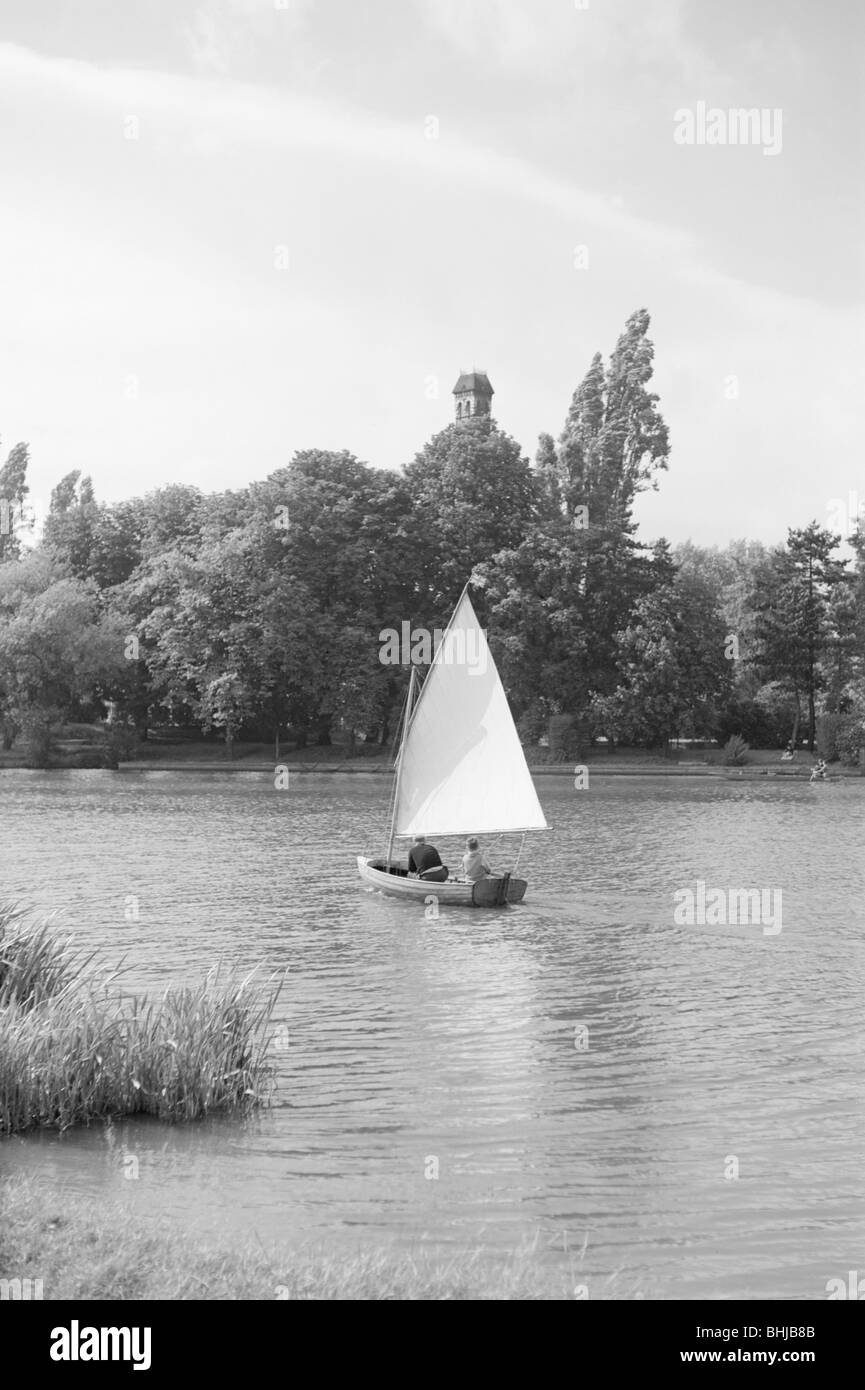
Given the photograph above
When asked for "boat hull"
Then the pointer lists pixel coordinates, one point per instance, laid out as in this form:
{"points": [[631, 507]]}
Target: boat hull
{"points": [[491, 891]]}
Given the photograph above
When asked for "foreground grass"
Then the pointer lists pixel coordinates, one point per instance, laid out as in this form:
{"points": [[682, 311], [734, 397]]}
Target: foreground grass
{"points": [[74, 1048], [86, 1250]]}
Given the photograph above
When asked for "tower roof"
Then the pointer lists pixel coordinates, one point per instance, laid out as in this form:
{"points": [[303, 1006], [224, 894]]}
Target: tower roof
{"points": [[473, 381]]}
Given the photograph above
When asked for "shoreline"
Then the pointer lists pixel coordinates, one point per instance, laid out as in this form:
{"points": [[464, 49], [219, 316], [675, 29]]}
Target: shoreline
{"points": [[343, 769], [599, 767], [624, 770], [358, 769], [87, 1248], [331, 761]]}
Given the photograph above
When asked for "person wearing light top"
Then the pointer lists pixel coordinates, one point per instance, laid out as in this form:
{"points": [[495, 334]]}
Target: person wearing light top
{"points": [[473, 865]]}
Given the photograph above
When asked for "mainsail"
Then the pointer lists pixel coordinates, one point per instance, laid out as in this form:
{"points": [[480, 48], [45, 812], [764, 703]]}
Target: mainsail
{"points": [[462, 769]]}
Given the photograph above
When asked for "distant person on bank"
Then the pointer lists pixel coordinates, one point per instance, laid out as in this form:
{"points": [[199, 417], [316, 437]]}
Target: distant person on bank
{"points": [[425, 861], [473, 864]]}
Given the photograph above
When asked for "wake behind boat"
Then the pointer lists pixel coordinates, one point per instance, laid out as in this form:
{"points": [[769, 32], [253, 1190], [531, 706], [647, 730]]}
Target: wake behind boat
{"points": [[460, 770]]}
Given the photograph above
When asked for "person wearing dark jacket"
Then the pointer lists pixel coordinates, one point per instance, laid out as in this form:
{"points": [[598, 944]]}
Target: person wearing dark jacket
{"points": [[424, 860]]}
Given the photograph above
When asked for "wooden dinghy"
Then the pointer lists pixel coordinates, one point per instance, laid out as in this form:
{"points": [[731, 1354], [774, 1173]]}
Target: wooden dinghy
{"points": [[460, 771], [494, 890]]}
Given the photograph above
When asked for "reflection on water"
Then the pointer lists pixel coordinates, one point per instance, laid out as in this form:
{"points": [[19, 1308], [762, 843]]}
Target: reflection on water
{"points": [[579, 1070]]}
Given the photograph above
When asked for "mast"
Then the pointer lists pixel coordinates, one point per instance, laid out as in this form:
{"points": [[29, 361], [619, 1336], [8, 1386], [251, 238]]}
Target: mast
{"points": [[408, 711]]}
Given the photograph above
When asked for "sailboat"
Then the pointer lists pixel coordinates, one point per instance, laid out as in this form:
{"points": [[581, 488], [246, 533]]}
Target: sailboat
{"points": [[460, 769]]}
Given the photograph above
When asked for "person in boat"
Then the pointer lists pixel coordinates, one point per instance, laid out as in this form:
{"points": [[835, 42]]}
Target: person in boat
{"points": [[473, 864], [425, 861], [818, 771]]}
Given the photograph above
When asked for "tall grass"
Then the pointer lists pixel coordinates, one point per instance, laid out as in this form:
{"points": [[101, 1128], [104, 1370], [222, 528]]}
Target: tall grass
{"points": [[73, 1047], [34, 964]]}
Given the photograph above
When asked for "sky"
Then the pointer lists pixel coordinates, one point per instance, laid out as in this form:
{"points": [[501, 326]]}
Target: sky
{"points": [[233, 229]]}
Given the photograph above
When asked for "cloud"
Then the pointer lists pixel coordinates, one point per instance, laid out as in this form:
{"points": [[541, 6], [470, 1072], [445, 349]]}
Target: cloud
{"points": [[238, 112], [216, 112], [208, 42], [224, 32], [558, 36], [489, 27]]}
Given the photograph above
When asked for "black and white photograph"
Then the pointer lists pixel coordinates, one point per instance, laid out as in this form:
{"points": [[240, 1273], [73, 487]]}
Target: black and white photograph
{"points": [[432, 665]]}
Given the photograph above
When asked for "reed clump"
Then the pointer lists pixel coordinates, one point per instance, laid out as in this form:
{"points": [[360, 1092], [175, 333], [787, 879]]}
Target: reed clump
{"points": [[74, 1047]]}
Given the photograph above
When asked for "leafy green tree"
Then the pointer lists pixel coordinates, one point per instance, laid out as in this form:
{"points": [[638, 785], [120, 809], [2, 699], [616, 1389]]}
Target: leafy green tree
{"points": [[473, 494], [61, 653], [115, 546], [145, 603], [614, 440], [673, 675], [529, 598], [551, 502], [344, 538], [856, 631], [794, 628], [171, 518], [226, 701], [730, 574], [579, 456], [572, 584], [71, 523], [13, 496], [204, 638]]}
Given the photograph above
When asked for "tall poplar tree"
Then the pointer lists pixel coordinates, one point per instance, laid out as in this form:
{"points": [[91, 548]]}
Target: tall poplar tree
{"points": [[13, 492]]}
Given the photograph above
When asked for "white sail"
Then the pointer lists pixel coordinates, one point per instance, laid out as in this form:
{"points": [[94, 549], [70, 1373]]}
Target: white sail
{"points": [[462, 770]]}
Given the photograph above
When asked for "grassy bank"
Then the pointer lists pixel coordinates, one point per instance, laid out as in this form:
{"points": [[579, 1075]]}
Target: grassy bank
{"points": [[82, 1249], [75, 1047]]}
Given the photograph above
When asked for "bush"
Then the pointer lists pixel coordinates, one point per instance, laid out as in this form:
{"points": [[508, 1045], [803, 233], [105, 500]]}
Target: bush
{"points": [[10, 728], [765, 721], [122, 743], [36, 726], [840, 736], [829, 728], [568, 737], [851, 743], [532, 724], [736, 751]]}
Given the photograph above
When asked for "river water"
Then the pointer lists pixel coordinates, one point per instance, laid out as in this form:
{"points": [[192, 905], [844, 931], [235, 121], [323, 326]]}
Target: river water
{"points": [[683, 1104]]}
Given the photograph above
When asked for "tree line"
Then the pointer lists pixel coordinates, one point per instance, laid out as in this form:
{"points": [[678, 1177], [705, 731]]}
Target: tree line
{"points": [[258, 612]]}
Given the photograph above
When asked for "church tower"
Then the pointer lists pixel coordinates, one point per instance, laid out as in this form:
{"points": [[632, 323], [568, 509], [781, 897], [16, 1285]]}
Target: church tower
{"points": [[473, 393]]}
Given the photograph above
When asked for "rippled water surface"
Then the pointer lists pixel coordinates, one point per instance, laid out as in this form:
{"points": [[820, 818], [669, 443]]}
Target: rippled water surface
{"points": [[709, 1048]]}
